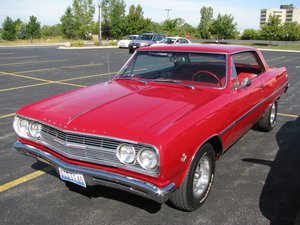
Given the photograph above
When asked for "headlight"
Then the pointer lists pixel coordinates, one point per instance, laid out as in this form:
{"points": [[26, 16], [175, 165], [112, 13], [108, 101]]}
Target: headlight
{"points": [[126, 153], [35, 129], [143, 44], [21, 126], [147, 159], [26, 128]]}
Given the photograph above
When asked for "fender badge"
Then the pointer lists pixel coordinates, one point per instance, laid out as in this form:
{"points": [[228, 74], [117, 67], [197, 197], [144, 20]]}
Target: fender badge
{"points": [[183, 157]]}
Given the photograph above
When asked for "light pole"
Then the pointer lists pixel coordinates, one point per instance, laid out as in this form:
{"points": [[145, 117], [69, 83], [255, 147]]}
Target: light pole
{"points": [[100, 32], [168, 11]]}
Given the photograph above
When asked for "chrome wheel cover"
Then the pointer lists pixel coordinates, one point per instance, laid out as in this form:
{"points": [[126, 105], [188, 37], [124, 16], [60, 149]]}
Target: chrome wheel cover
{"points": [[201, 176], [273, 114]]}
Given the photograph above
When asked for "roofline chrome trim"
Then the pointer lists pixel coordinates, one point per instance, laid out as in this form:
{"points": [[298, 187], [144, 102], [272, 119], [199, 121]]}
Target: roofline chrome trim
{"points": [[105, 178]]}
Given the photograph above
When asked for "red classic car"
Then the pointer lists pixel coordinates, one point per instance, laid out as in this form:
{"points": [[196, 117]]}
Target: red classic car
{"points": [[157, 128]]}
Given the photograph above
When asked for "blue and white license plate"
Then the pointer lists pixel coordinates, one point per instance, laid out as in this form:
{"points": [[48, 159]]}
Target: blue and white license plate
{"points": [[75, 178]]}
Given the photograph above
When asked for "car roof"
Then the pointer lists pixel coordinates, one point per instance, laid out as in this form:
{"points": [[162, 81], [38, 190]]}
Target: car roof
{"points": [[151, 34], [216, 48]]}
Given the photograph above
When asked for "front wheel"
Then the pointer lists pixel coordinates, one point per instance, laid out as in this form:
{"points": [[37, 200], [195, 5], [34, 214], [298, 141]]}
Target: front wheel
{"points": [[198, 181], [268, 121]]}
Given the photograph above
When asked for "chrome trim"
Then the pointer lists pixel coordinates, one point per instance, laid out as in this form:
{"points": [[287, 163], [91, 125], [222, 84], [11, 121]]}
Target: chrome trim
{"points": [[154, 173], [251, 110], [94, 176]]}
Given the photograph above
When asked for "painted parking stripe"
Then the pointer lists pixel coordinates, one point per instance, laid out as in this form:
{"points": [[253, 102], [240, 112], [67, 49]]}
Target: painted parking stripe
{"points": [[281, 57], [289, 115], [24, 179], [34, 62], [35, 71], [23, 76], [7, 115], [56, 68], [89, 76], [84, 65], [20, 57], [22, 87], [37, 79]]}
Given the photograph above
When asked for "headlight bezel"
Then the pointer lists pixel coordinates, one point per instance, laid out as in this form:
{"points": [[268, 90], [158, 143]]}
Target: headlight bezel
{"points": [[120, 156], [27, 132], [141, 161]]}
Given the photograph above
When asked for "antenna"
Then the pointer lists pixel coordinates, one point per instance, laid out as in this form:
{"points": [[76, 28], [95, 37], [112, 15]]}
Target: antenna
{"points": [[108, 67]]}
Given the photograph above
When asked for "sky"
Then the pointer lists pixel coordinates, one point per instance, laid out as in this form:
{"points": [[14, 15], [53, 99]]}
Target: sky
{"points": [[245, 12]]}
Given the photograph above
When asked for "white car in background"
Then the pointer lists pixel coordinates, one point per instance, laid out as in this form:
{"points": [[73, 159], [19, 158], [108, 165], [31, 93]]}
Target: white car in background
{"points": [[125, 42], [173, 40]]}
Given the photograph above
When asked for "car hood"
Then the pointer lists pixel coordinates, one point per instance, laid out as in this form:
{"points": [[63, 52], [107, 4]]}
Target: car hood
{"points": [[122, 109]]}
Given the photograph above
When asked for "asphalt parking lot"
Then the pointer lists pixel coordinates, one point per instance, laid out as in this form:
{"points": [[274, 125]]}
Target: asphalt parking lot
{"points": [[257, 180]]}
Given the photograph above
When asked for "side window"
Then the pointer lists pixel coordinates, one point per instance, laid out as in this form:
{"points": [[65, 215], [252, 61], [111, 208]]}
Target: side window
{"points": [[233, 77], [184, 41], [157, 38], [247, 62]]}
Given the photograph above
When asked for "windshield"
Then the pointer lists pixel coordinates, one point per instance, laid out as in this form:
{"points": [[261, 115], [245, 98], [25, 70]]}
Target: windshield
{"points": [[145, 37], [168, 40], [199, 69]]}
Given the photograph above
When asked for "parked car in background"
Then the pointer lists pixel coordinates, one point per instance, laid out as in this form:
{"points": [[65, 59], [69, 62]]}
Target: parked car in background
{"points": [[158, 127], [144, 40], [173, 40], [125, 42]]}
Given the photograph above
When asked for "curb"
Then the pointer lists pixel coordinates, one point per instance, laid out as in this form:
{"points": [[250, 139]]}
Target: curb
{"points": [[91, 47], [278, 50], [31, 45]]}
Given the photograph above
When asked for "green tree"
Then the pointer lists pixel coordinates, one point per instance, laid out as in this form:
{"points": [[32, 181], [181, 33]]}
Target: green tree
{"points": [[223, 27], [113, 14], [290, 31], [51, 31], [68, 24], [135, 23], [83, 12], [205, 22], [188, 29], [272, 29], [22, 33], [18, 24], [170, 27], [9, 29], [250, 34], [33, 28]]}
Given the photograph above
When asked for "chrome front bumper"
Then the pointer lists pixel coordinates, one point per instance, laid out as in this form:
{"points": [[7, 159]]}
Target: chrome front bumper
{"points": [[94, 176]]}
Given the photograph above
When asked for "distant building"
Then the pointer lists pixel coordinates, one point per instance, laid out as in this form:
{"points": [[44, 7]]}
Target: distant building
{"points": [[286, 13]]}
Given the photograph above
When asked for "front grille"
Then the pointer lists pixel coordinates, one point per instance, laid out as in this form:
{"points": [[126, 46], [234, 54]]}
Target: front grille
{"points": [[91, 149]]}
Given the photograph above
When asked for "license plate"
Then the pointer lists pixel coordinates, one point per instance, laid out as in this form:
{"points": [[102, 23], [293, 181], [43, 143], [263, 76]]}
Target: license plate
{"points": [[75, 178], [134, 46]]}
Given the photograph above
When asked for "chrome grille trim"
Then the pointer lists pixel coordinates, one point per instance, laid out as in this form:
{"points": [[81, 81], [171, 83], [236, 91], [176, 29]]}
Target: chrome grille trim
{"points": [[93, 149]]}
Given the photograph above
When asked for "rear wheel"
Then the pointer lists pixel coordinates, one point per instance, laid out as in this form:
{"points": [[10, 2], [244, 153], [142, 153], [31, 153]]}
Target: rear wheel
{"points": [[268, 121], [197, 183]]}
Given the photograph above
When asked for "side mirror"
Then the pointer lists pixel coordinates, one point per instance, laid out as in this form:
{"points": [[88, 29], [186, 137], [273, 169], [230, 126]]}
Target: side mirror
{"points": [[246, 82]]}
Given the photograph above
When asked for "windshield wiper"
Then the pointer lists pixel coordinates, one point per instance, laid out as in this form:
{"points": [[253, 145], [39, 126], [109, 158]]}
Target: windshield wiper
{"points": [[130, 78], [174, 82]]}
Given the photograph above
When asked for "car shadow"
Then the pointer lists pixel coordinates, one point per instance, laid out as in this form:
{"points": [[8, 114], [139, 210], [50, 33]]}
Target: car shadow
{"points": [[99, 191], [280, 197]]}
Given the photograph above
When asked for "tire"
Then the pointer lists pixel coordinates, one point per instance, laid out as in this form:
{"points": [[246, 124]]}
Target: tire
{"points": [[131, 51], [268, 121], [197, 184]]}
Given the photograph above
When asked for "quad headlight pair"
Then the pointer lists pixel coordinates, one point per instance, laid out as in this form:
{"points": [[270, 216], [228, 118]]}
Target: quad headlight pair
{"points": [[27, 128], [146, 157]]}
